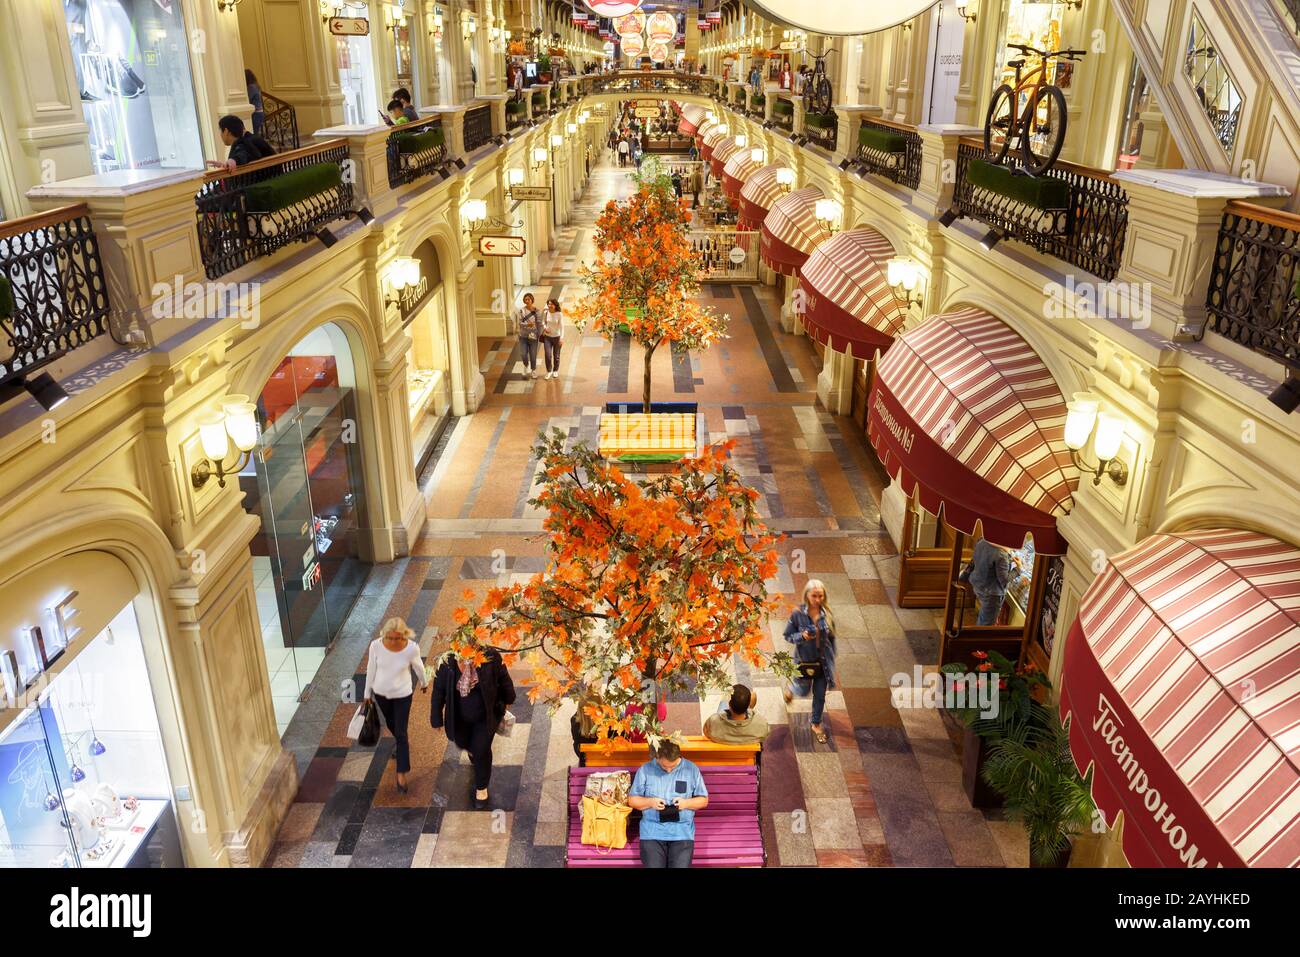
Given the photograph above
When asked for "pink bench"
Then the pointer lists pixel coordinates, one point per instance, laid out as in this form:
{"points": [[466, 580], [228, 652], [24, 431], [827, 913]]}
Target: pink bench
{"points": [[727, 832]]}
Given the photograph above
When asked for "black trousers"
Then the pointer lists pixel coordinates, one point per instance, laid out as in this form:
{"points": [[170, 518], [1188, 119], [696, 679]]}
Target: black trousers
{"points": [[397, 712], [474, 734]]}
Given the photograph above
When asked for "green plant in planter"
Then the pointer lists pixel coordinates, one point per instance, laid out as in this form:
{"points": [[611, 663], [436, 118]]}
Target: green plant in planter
{"points": [[1017, 688], [821, 121], [1031, 766], [784, 107]]}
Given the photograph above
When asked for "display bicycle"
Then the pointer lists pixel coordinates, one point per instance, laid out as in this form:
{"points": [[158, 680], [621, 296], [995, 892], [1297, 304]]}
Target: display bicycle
{"points": [[817, 93], [1032, 112]]}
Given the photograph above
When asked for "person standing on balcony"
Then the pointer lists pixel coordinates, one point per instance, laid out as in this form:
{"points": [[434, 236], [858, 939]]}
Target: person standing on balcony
{"points": [[245, 147], [403, 96], [255, 98]]}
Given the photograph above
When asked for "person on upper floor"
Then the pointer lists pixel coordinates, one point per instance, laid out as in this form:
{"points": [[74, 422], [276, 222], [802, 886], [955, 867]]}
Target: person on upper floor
{"points": [[403, 96], [245, 147]]}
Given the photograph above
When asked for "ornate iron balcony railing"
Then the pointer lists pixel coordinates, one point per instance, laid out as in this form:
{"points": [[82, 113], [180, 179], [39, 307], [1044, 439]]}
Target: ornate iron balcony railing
{"points": [[53, 296], [654, 81], [903, 168], [478, 127], [280, 125], [1088, 233], [406, 165], [1254, 293], [232, 231]]}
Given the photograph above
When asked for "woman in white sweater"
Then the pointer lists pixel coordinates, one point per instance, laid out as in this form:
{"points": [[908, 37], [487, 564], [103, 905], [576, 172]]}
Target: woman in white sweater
{"points": [[395, 665]]}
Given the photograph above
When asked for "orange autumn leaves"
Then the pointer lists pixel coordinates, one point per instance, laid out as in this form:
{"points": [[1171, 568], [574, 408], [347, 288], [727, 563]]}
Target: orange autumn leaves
{"points": [[649, 582], [647, 275]]}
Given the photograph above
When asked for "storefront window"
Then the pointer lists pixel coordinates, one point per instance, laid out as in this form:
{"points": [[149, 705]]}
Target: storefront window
{"points": [[133, 72], [355, 61], [1035, 23], [1137, 101], [304, 480], [83, 779], [428, 363]]}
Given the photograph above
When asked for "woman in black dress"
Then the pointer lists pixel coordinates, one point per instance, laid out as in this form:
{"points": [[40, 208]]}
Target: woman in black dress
{"points": [[468, 702]]}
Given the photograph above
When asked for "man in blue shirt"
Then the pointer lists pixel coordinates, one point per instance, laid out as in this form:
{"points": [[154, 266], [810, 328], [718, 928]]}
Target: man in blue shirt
{"points": [[668, 790]]}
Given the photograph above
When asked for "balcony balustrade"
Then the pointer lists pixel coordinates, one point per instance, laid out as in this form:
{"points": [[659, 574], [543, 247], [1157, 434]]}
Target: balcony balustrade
{"points": [[416, 150], [890, 150], [280, 125], [478, 127]]}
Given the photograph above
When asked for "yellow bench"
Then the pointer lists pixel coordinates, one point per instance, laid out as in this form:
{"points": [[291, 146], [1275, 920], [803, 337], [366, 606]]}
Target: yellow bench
{"points": [[620, 752], [636, 433]]}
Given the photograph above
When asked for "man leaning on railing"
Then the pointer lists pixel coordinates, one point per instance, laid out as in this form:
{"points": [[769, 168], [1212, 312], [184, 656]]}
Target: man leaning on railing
{"points": [[245, 147]]}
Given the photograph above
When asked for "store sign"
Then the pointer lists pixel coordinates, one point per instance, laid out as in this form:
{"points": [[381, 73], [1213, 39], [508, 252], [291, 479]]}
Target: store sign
{"points": [[647, 112], [791, 45], [502, 246], [534, 194], [413, 297], [42, 644], [737, 256], [841, 17], [349, 26]]}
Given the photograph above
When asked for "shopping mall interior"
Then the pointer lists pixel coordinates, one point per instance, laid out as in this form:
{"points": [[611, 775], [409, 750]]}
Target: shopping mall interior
{"points": [[895, 454]]}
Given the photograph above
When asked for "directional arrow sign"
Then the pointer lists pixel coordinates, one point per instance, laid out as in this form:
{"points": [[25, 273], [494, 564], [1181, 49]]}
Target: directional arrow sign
{"points": [[502, 246]]}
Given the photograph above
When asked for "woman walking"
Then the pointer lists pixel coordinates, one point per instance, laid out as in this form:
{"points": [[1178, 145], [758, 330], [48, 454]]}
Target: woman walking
{"points": [[469, 702], [811, 629], [528, 326], [255, 98], [395, 665], [552, 334]]}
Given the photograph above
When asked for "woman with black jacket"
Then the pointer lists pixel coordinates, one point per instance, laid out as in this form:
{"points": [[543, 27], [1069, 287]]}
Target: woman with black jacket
{"points": [[468, 703]]}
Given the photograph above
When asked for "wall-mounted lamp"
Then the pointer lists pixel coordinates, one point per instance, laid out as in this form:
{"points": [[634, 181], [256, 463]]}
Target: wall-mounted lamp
{"points": [[539, 157], [515, 176], [395, 17], [758, 155], [968, 9], [904, 274], [471, 28], [828, 212], [330, 8], [1081, 417], [741, 140], [227, 4], [570, 128], [785, 179], [556, 141], [436, 31], [403, 273], [473, 212], [235, 422]]}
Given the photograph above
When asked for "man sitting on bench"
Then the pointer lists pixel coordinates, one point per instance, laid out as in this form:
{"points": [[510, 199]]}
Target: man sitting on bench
{"points": [[737, 724], [668, 790]]}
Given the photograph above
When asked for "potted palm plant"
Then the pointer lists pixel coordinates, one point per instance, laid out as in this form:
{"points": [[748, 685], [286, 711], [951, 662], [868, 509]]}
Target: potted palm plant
{"points": [[1031, 767]]}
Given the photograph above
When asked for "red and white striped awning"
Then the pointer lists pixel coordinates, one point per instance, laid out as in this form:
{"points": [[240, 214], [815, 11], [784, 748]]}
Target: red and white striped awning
{"points": [[724, 150], [759, 194], [1181, 680], [738, 170], [972, 422], [691, 118], [713, 134], [850, 304], [791, 230]]}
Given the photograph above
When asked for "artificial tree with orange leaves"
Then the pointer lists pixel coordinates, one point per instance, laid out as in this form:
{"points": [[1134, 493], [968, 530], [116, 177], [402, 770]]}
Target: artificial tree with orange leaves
{"points": [[651, 586], [647, 275]]}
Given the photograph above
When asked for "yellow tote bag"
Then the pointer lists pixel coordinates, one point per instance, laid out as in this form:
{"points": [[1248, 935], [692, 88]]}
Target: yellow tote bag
{"points": [[604, 825]]}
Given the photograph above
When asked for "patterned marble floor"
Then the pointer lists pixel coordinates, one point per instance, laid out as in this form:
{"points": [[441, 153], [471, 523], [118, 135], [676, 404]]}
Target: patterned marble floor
{"points": [[886, 789]]}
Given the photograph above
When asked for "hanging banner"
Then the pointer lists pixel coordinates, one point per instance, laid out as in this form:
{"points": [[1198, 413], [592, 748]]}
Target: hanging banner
{"points": [[841, 17]]}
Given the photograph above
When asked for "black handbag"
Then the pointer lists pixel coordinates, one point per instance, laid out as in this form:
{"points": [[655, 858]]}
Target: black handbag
{"points": [[369, 735]]}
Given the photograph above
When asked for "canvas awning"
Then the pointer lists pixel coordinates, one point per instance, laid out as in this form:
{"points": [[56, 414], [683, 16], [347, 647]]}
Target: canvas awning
{"points": [[971, 421], [1181, 680], [758, 195], [791, 230], [724, 150], [691, 118], [850, 305], [711, 134], [736, 173]]}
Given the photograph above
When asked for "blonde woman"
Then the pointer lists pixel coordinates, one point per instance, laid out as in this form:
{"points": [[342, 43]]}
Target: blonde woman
{"points": [[811, 629], [395, 665]]}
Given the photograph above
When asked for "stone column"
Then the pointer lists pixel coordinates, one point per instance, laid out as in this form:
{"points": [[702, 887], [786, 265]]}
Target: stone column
{"points": [[368, 150], [939, 165], [850, 123], [453, 126], [835, 382]]}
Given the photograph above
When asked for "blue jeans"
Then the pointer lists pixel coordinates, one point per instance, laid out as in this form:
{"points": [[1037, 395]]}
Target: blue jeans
{"points": [[529, 347], [801, 686], [990, 605], [667, 853], [552, 345]]}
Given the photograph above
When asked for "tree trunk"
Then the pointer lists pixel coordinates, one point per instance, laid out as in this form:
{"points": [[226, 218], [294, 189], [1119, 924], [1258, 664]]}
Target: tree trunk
{"points": [[649, 355]]}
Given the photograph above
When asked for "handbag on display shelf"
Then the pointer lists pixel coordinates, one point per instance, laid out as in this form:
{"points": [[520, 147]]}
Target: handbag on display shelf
{"points": [[604, 825]]}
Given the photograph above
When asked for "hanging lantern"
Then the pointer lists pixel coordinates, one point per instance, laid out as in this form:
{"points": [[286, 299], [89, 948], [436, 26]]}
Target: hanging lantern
{"points": [[612, 8], [659, 51], [661, 26], [632, 45], [632, 23]]}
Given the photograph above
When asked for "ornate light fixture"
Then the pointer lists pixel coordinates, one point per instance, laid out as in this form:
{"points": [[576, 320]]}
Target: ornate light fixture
{"points": [[330, 9], [968, 9], [539, 157], [904, 274], [758, 155], [785, 179], [236, 422], [474, 213], [227, 4], [828, 213], [403, 273], [1084, 421]]}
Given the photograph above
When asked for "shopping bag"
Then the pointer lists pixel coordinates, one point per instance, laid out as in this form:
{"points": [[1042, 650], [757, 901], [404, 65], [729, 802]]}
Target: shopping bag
{"points": [[604, 825], [357, 723], [506, 724], [369, 735]]}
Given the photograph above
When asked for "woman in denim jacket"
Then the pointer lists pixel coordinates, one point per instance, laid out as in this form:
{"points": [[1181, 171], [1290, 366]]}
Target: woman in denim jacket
{"points": [[811, 629]]}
